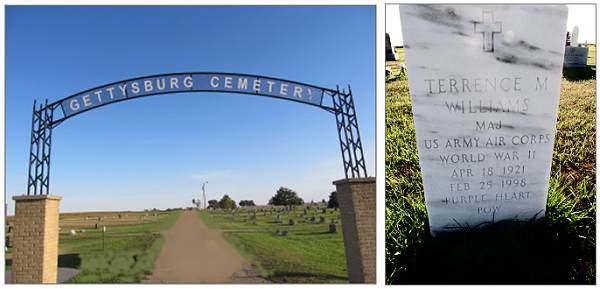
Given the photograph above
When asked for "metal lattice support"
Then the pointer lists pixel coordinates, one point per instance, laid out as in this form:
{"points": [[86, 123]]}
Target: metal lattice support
{"points": [[348, 134], [38, 182]]}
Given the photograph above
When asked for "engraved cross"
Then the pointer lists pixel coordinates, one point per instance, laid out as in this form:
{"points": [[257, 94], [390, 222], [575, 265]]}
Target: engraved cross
{"points": [[488, 27]]}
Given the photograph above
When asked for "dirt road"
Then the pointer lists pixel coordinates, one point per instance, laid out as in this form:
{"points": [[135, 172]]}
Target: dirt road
{"points": [[193, 253]]}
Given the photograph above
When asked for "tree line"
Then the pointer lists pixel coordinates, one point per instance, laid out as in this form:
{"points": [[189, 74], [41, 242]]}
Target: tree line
{"points": [[283, 197]]}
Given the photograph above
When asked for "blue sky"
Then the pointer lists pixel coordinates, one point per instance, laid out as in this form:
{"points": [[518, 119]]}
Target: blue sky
{"points": [[155, 152]]}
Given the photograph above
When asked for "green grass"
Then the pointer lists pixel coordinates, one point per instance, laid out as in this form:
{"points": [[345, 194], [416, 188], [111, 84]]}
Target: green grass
{"points": [[558, 249], [128, 255], [309, 254]]}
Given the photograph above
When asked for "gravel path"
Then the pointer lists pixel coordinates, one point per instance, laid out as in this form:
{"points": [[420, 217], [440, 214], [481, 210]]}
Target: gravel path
{"points": [[193, 253]]}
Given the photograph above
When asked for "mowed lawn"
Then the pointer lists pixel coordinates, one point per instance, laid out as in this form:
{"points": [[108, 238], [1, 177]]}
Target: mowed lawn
{"points": [[559, 249], [128, 252], [308, 254]]}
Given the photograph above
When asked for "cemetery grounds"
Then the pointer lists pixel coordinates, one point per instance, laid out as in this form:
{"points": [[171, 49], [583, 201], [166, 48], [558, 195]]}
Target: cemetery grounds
{"points": [[558, 249], [308, 253], [132, 242]]}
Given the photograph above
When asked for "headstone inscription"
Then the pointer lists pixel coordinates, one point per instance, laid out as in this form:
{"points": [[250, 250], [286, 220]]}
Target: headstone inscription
{"points": [[484, 82]]}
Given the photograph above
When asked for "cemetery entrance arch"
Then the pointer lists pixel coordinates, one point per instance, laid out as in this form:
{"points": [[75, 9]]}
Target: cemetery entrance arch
{"points": [[36, 214], [47, 116]]}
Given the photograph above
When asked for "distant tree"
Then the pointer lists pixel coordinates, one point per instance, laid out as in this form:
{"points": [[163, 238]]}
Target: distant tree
{"points": [[213, 204], [247, 203], [286, 197], [227, 203], [333, 202]]}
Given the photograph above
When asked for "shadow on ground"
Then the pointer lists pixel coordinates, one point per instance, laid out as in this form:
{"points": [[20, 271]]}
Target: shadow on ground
{"points": [[293, 277], [64, 261], [69, 261], [502, 253]]}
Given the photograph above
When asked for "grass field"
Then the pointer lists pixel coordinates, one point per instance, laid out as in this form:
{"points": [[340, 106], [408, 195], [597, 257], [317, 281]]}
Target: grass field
{"points": [[559, 249], [131, 244], [308, 254]]}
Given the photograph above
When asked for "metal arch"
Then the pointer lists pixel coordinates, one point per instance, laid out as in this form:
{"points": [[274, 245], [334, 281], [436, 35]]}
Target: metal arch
{"points": [[43, 122], [58, 104]]}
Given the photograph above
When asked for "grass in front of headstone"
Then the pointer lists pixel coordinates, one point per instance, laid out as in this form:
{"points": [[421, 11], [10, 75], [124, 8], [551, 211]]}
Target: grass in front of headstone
{"points": [[307, 253], [557, 249], [130, 249]]}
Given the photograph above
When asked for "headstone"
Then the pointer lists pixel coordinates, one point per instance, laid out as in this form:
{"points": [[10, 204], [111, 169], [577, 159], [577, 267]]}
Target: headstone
{"points": [[291, 222], [321, 219], [575, 37], [332, 228], [484, 82], [576, 56], [73, 233], [389, 51]]}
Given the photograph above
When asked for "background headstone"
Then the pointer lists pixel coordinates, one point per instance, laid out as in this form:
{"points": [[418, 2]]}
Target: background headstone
{"points": [[389, 50], [484, 82], [576, 56], [575, 37], [332, 228]]}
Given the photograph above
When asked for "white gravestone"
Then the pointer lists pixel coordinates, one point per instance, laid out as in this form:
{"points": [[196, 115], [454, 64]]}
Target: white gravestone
{"points": [[484, 82], [575, 36]]}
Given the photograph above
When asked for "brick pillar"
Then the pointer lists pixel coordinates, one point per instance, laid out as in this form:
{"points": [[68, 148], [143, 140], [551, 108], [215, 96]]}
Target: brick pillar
{"points": [[35, 245], [357, 207]]}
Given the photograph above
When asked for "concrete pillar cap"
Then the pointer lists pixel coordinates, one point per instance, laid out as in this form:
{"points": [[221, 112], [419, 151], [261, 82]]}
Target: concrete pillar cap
{"points": [[355, 180], [36, 197]]}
